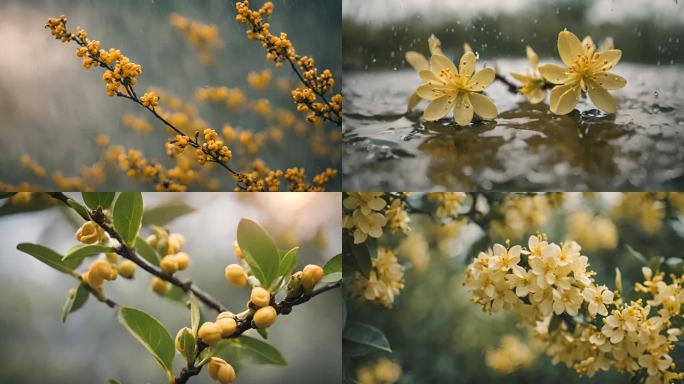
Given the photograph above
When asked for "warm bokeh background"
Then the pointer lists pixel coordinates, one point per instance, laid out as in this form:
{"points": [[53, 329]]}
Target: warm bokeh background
{"points": [[53, 109], [92, 346]]}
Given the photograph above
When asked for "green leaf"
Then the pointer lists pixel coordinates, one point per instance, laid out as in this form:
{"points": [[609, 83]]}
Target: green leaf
{"points": [[250, 350], [147, 251], [332, 277], [636, 254], [113, 381], [204, 356], [362, 258], [176, 294], [95, 200], [188, 341], [76, 299], [288, 262], [260, 251], [263, 333], [367, 336], [333, 265], [46, 255], [165, 213], [128, 215], [76, 254], [152, 334], [37, 203], [5, 195], [79, 208], [195, 316]]}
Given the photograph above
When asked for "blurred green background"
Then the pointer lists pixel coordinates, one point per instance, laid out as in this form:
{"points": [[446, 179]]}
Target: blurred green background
{"points": [[48, 101], [376, 35], [438, 335], [92, 346]]}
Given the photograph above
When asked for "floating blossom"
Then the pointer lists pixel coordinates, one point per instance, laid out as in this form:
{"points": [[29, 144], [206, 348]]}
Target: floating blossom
{"points": [[586, 71], [458, 89], [532, 83], [420, 63]]}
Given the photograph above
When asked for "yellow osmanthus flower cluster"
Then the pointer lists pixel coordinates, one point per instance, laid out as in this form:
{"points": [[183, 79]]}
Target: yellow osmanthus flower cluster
{"points": [[448, 203], [232, 97], [203, 37], [383, 371], [367, 218], [511, 355], [645, 208], [385, 280], [583, 324], [27, 162], [311, 98], [593, 232], [416, 249], [173, 260], [521, 215], [136, 123], [260, 80], [136, 166]]}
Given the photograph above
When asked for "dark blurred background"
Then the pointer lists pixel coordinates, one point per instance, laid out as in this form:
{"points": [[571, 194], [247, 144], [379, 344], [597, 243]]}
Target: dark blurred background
{"points": [[92, 346], [48, 101]]}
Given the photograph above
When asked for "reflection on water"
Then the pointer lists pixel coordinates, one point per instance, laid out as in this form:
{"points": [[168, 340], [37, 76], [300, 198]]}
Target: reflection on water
{"points": [[526, 148]]}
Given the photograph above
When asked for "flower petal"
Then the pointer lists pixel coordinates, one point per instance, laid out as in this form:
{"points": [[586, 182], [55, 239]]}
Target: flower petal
{"points": [[536, 96], [430, 77], [430, 91], [467, 64], [600, 97], [463, 110], [569, 47], [413, 100], [438, 108], [564, 98], [417, 61], [610, 80], [466, 48], [520, 77], [588, 46], [481, 79], [483, 106], [607, 44], [553, 73], [532, 57], [442, 67], [435, 45], [608, 59]]}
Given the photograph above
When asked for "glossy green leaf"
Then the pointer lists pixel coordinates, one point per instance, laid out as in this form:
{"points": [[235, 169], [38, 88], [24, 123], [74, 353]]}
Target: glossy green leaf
{"points": [[288, 262], [79, 208], [44, 254], [195, 316], [5, 195], [250, 350], [367, 336], [151, 334], [260, 251], [165, 213], [76, 298], [146, 251], [333, 265], [95, 200], [332, 277], [128, 215], [362, 258], [188, 342], [78, 253]]}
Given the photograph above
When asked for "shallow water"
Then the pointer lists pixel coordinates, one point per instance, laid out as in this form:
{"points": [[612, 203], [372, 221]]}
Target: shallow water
{"points": [[526, 148]]}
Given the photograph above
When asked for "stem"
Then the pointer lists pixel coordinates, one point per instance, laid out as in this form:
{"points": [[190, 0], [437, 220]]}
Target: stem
{"points": [[129, 253]]}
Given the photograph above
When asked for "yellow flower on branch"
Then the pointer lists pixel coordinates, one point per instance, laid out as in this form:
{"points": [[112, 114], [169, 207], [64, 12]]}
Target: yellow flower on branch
{"points": [[532, 83], [458, 89], [586, 71]]}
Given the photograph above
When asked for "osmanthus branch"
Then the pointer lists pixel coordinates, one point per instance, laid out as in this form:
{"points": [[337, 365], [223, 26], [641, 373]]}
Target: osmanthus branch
{"points": [[129, 253], [283, 307]]}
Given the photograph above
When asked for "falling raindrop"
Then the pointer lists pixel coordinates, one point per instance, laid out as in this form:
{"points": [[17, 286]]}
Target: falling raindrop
{"points": [[655, 93]]}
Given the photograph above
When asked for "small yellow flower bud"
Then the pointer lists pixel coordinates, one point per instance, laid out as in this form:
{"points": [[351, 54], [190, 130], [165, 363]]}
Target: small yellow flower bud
{"points": [[236, 275], [176, 242], [169, 265], [209, 333], [228, 326], [179, 340], [260, 297], [112, 257], [102, 269], [225, 374], [160, 286], [265, 317], [89, 233], [311, 275], [93, 280], [238, 251], [183, 260], [216, 365], [152, 240], [127, 269]]}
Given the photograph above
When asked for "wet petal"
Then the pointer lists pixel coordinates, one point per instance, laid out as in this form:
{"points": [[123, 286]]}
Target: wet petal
{"points": [[481, 80], [610, 80], [564, 98], [520, 77], [466, 48], [536, 96], [463, 110], [553, 73], [430, 91], [442, 66], [588, 46], [413, 100], [483, 106], [435, 45], [438, 108], [608, 59], [569, 47], [607, 44], [417, 61], [600, 97], [532, 57], [467, 64], [429, 77]]}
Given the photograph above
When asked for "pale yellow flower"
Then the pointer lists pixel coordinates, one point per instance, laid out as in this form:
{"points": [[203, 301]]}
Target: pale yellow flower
{"points": [[532, 83], [586, 71], [367, 202], [598, 298], [655, 363], [420, 63], [449, 88], [367, 225]]}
